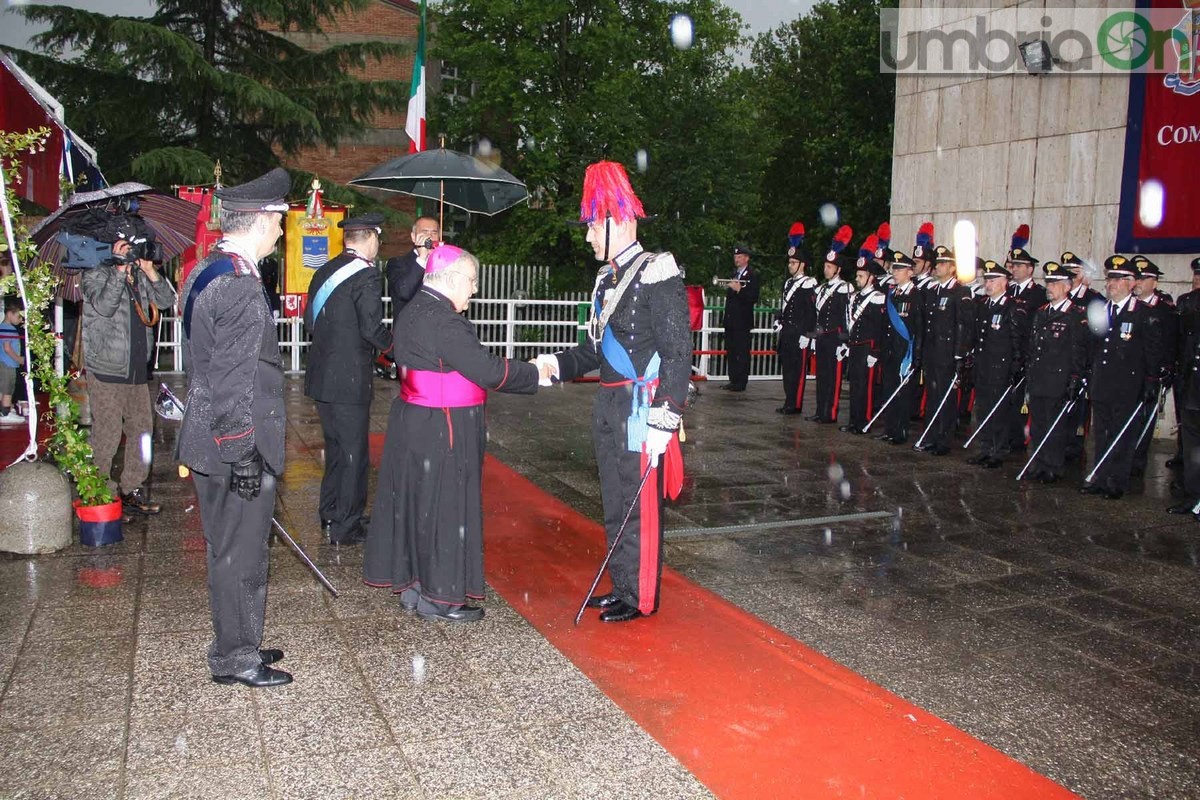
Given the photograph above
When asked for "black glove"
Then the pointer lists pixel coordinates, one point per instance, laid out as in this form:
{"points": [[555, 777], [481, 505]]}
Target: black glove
{"points": [[246, 479], [1151, 393]]}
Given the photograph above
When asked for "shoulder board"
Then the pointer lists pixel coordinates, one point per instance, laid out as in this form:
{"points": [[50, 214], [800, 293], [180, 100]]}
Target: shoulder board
{"points": [[661, 267], [1133, 302], [876, 298], [807, 282], [843, 288]]}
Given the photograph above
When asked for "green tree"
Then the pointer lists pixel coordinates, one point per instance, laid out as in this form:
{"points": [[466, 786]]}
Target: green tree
{"points": [[558, 84], [829, 113], [163, 97]]}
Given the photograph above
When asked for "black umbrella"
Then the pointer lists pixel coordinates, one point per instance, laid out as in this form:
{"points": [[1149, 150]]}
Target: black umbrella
{"points": [[451, 178], [172, 220]]}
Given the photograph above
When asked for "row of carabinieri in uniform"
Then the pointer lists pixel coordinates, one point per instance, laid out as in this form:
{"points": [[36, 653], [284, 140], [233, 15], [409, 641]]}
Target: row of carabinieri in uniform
{"points": [[1039, 365]]}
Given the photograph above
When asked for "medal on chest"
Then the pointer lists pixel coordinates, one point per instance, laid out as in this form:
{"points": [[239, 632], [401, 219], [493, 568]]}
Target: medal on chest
{"points": [[1126, 331], [996, 321], [942, 303]]}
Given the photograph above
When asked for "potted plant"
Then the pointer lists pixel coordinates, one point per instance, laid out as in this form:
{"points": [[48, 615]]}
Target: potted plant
{"points": [[98, 511]]}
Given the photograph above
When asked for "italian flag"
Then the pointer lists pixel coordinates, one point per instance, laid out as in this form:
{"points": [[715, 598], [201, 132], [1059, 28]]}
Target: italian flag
{"points": [[414, 122]]}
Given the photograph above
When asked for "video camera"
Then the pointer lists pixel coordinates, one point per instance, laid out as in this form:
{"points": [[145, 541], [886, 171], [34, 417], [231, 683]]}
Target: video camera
{"points": [[87, 238]]}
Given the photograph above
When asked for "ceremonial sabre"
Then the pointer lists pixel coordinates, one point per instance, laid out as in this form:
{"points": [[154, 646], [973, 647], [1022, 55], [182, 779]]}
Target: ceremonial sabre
{"points": [[167, 398], [995, 408], [888, 402], [1149, 426], [941, 405], [1115, 441], [616, 540], [1066, 409]]}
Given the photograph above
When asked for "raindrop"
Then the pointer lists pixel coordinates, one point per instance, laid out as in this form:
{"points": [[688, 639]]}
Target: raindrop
{"points": [[682, 31], [485, 147], [643, 160], [418, 662], [1151, 201], [1097, 314], [836, 473], [829, 215], [844, 489], [964, 250], [829, 536], [427, 465], [147, 455]]}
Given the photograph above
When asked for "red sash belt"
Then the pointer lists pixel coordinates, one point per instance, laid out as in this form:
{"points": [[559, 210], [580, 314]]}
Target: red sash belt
{"points": [[440, 389]]}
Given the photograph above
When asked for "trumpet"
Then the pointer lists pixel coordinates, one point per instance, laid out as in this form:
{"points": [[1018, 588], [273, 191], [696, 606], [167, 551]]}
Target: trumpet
{"points": [[725, 281]]}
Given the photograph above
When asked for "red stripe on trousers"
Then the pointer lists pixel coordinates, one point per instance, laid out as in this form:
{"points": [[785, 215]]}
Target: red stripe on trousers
{"points": [[648, 533], [837, 392], [870, 392]]}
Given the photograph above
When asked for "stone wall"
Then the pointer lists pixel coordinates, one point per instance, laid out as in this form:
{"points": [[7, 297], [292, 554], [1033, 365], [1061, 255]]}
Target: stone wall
{"points": [[1002, 150]]}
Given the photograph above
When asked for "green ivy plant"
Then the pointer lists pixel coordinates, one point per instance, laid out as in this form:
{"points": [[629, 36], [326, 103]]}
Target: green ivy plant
{"points": [[69, 445]]}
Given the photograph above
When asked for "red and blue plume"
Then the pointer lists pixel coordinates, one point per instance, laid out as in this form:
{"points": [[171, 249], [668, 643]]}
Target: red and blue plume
{"points": [[868, 247], [884, 234], [796, 234], [1020, 238], [925, 235], [841, 239], [607, 192]]}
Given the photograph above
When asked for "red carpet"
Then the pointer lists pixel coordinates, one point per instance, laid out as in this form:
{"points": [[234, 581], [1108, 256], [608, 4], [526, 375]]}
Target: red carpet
{"points": [[749, 711]]}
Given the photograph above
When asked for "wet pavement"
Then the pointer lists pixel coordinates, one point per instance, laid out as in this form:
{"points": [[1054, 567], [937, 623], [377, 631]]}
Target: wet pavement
{"points": [[1058, 628]]}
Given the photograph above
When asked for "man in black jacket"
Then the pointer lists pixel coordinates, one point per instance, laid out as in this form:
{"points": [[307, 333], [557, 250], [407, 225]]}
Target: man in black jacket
{"points": [[1024, 288], [999, 363], [1058, 359], [797, 320], [904, 317], [864, 321], [1160, 303], [949, 339], [1126, 366], [232, 436], [833, 299], [1188, 396], [1187, 340], [740, 298], [405, 273], [345, 317]]}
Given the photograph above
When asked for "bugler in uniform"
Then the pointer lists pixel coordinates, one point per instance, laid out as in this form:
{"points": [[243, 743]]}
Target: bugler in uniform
{"points": [[740, 298], [345, 316]]}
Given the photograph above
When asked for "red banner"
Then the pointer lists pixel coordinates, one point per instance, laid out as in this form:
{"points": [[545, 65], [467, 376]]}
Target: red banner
{"points": [[1160, 196]]}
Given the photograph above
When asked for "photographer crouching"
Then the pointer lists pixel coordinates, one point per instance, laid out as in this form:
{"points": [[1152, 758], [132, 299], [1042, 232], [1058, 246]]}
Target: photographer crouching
{"points": [[121, 298]]}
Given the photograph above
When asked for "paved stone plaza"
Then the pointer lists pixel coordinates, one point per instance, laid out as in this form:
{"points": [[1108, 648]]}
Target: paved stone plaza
{"points": [[1058, 628]]}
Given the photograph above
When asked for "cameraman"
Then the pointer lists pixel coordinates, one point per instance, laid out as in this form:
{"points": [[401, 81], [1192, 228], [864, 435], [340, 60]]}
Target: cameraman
{"points": [[120, 306], [406, 273]]}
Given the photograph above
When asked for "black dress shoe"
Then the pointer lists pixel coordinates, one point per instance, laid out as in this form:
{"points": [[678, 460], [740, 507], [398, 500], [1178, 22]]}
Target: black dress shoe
{"points": [[736, 388], [256, 677], [356, 537], [1047, 478], [849, 429], [1182, 508], [139, 502], [813, 418], [977, 460], [407, 607], [882, 437], [603, 601], [901, 440], [1089, 488], [620, 611], [270, 655], [460, 614], [924, 448], [790, 412]]}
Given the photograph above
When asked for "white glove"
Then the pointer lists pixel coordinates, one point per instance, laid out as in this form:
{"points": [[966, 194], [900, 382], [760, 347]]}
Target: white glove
{"points": [[843, 351], [812, 345], [777, 327], [871, 361], [546, 360], [805, 342], [656, 443]]}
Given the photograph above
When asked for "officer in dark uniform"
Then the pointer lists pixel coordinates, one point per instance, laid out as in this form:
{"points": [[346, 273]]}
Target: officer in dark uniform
{"points": [[1000, 350], [1058, 359], [1188, 396], [1082, 296], [926, 284], [864, 318], [1188, 338], [949, 339], [832, 302], [1126, 365], [1024, 288], [1146, 289], [641, 341], [740, 298], [902, 347], [405, 273], [345, 317], [232, 434], [795, 325]]}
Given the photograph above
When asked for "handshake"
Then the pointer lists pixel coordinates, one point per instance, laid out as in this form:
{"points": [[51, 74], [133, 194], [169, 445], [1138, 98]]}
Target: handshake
{"points": [[547, 365]]}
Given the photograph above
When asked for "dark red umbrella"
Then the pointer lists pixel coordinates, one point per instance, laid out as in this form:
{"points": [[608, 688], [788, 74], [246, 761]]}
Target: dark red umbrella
{"points": [[172, 220]]}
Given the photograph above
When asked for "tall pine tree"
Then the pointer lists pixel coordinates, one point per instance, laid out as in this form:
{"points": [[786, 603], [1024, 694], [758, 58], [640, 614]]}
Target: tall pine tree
{"points": [[164, 97]]}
